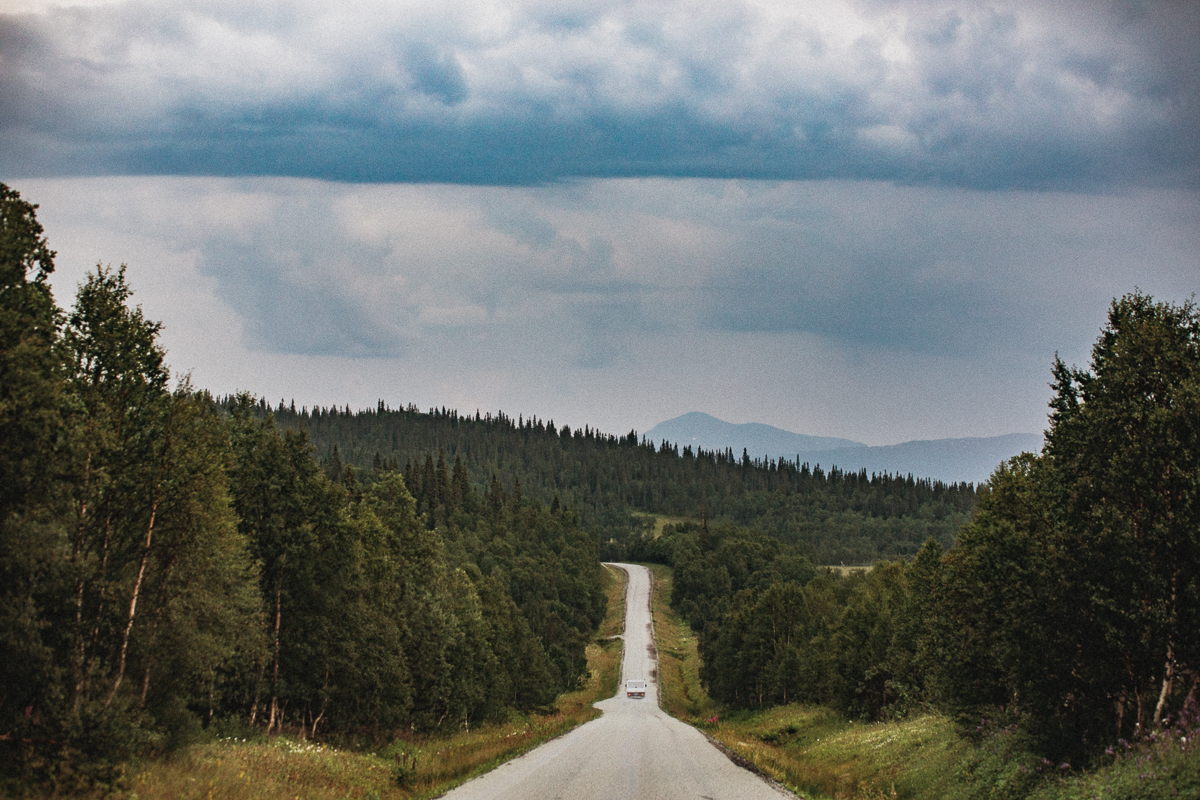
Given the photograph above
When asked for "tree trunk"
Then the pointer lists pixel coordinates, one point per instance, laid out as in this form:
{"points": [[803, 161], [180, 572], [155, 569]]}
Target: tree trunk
{"points": [[160, 603], [1168, 683], [271, 720], [133, 600], [146, 688], [141, 574], [324, 703]]}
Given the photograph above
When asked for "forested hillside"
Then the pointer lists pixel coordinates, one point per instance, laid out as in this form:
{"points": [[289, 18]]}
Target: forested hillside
{"points": [[168, 562], [836, 517]]}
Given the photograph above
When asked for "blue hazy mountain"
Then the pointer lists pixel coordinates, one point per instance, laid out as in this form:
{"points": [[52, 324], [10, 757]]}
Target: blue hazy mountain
{"points": [[951, 460], [709, 433]]}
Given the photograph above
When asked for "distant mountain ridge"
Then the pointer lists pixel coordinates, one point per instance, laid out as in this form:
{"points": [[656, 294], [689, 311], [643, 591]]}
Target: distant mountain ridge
{"points": [[970, 460], [709, 433]]}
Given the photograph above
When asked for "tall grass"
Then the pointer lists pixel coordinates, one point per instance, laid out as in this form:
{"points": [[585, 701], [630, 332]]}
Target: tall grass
{"points": [[411, 767]]}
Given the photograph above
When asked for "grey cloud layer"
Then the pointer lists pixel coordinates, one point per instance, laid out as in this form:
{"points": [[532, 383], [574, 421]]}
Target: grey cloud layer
{"points": [[1010, 95], [580, 273], [861, 309]]}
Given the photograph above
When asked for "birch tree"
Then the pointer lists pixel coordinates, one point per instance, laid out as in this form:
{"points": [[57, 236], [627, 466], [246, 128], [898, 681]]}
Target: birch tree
{"points": [[1123, 453]]}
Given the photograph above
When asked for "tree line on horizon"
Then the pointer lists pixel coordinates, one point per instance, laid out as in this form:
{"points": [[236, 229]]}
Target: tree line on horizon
{"points": [[169, 563], [614, 481]]}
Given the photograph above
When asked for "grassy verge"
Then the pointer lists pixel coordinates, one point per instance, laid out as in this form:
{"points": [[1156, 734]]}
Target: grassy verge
{"points": [[679, 690], [431, 765], [809, 749]]}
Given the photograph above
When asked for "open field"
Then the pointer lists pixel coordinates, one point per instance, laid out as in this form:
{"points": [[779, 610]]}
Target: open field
{"points": [[660, 520], [842, 569], [417, 766]]}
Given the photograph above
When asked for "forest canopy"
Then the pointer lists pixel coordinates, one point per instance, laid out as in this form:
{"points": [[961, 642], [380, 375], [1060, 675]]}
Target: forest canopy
{"points": [[615, 481]]}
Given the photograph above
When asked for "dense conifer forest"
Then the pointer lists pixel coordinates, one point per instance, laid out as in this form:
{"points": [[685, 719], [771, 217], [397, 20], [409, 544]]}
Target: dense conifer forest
{"points": [[834, 516]]}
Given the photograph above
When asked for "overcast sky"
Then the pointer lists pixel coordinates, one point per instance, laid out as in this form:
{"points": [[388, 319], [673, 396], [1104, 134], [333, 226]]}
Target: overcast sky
{"points": [[876, 220]]}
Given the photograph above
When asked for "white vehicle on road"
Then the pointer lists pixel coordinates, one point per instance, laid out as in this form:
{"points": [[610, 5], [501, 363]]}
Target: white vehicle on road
{"points": [[635, 688]]}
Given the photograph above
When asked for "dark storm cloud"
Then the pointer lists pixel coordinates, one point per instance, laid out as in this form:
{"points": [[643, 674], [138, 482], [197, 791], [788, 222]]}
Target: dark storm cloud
{"points": [[1012, 96], [875, 307]]}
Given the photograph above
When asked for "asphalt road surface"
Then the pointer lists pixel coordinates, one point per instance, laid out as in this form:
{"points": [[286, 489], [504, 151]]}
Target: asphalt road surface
{"points": [[634, 752]]}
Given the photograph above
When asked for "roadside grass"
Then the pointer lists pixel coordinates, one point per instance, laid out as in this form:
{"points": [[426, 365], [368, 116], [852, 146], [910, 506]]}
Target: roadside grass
{"points": [[817, 753], [410, 768], [679, 690], [812, 750]]}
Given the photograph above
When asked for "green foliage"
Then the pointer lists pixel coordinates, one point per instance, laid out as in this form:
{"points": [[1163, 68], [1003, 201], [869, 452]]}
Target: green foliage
{"points": [[836, 517], [1002, 766], [1123, 476], [167, 563], [712, 564], [1067, 606], [388, 610], [30, 372], [1160, 765], [847, 641], [31, 492], [128, 587], [777, 631], [1074, 594]]}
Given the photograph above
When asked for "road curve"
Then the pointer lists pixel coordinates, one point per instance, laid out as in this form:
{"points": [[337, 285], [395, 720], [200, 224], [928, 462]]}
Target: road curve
{"points": [[635, 751]]}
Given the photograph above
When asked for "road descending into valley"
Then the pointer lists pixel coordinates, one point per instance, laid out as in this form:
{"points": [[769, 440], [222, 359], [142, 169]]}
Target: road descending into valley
{"points": [[634, 752]]}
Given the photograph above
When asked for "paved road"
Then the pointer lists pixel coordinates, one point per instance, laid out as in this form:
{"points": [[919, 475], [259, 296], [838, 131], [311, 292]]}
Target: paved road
{"points": [[634, 752]]}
